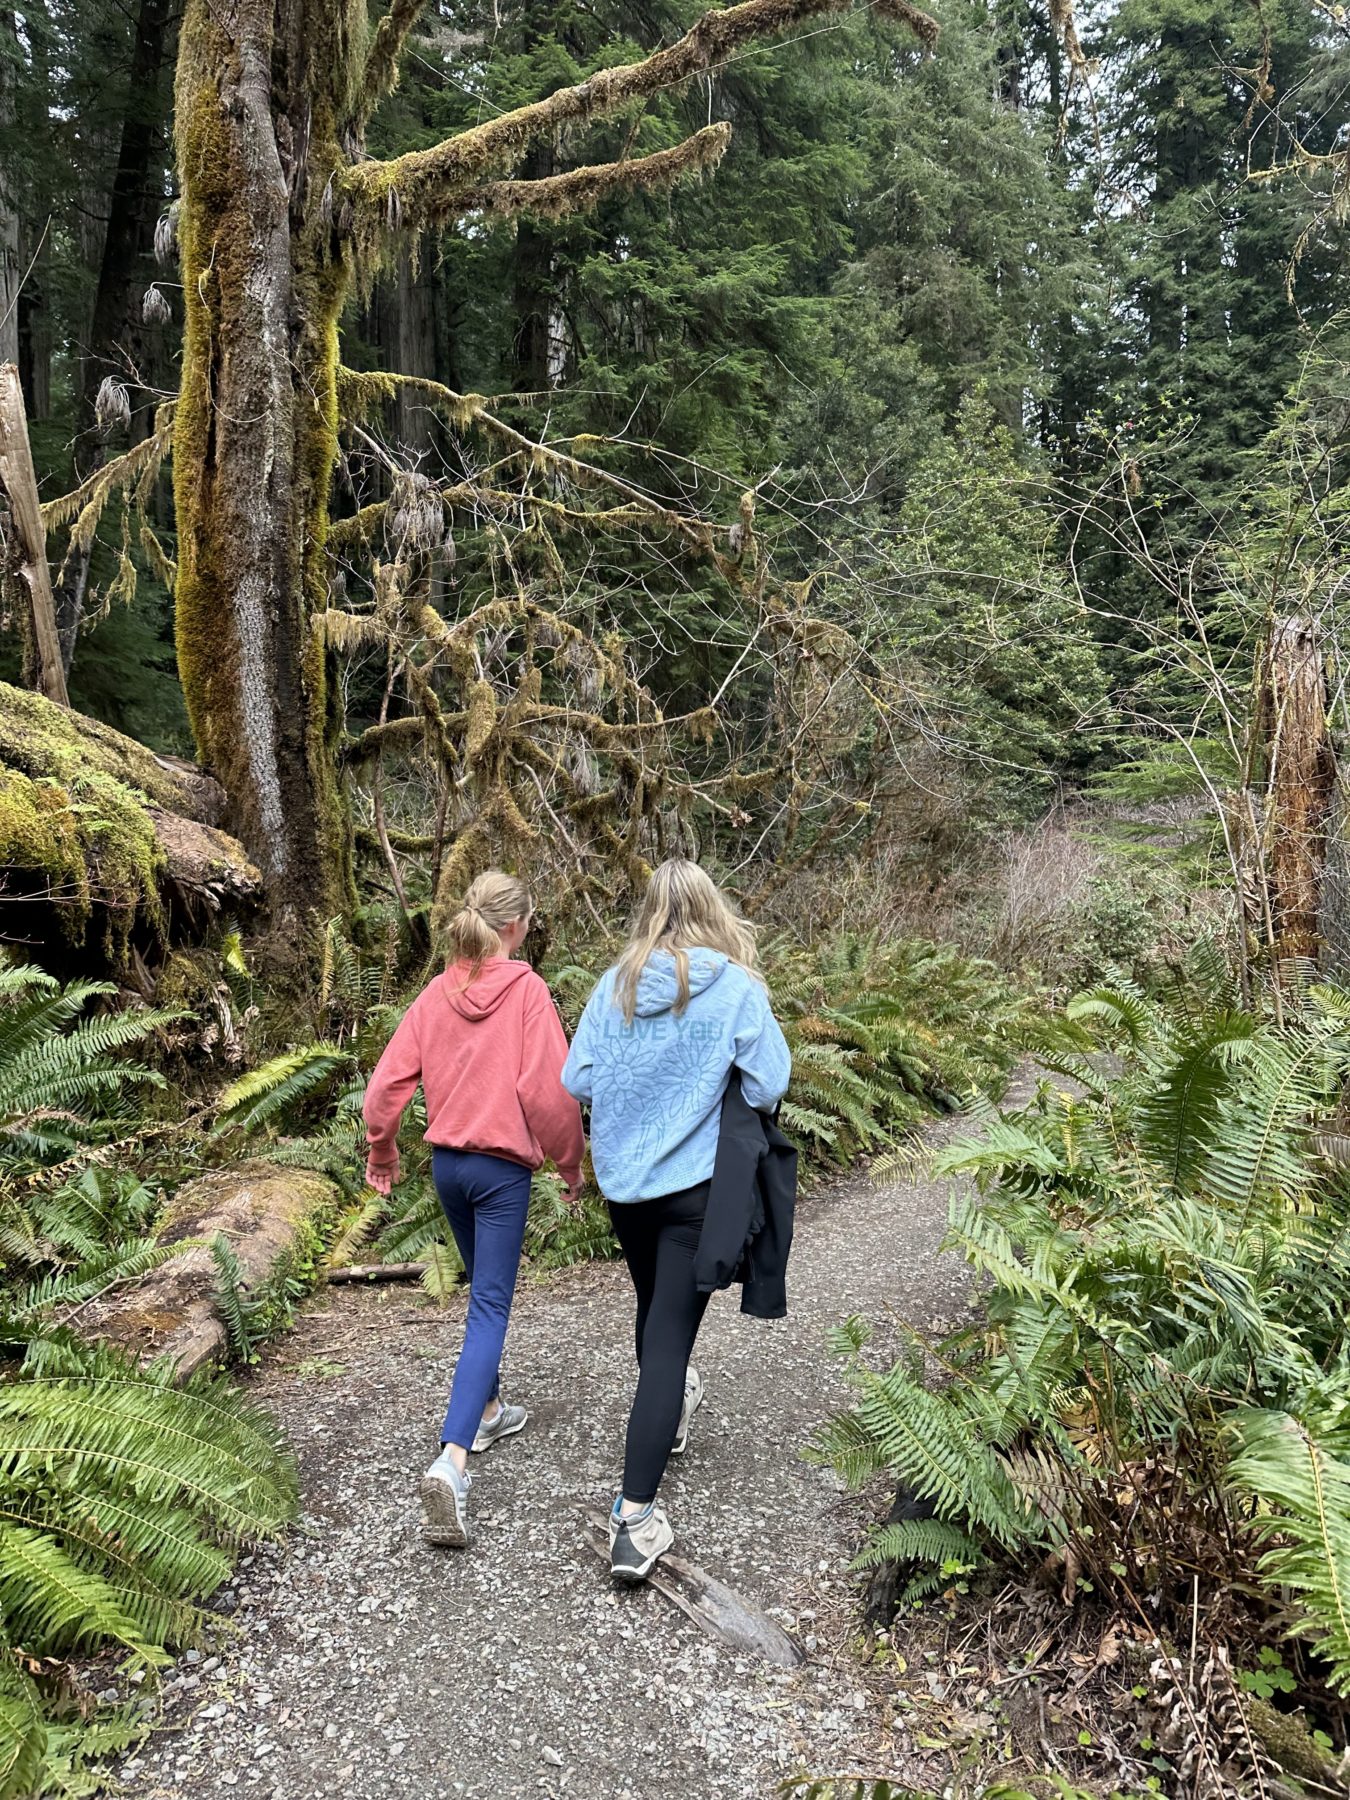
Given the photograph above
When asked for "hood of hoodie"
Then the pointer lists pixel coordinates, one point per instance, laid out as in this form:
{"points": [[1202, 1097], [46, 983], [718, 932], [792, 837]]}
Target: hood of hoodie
{"points": [[486, 992], [658, 985]]}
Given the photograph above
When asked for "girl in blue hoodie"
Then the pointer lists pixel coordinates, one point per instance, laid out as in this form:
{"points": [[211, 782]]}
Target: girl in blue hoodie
{"points": [[653, 1054]]}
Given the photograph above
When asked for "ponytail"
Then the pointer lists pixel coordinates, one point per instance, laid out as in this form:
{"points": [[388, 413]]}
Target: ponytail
{"points": [[493, 902]]}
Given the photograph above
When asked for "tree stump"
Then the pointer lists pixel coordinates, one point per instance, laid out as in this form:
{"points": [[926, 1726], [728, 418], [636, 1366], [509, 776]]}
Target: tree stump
{"points": [[1300, 785]]}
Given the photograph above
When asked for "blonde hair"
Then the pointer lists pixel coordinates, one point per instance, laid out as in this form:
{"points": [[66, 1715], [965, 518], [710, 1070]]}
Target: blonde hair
{"points": [[681, 908], [493, 902]]}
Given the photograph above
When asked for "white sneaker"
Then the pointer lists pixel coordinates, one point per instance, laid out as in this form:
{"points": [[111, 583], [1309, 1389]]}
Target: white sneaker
{"points": [[693, 1399], [445, 1504], [505, 1422], [638, 1543]]}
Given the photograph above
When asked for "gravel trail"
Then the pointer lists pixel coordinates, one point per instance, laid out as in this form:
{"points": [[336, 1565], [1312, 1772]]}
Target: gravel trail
{"points": [[372, 1666]]}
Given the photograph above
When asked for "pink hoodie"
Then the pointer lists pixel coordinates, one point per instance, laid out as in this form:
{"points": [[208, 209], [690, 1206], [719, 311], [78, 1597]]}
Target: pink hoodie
{"points": [[488, 1057]]}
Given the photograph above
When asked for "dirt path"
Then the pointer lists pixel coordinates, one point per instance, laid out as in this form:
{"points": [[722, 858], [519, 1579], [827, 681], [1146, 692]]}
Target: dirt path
{"points": [[371, 1666]]}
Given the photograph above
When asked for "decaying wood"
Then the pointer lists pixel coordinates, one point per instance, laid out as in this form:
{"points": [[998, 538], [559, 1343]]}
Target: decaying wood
{"points": [[18, 483], [406, 1271], [1300, 784], [713, 1606], [261, 1209]]}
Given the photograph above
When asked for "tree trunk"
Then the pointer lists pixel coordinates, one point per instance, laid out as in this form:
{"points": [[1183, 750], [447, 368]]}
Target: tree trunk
{"points": [[1300, 784], [255, 437], [118, 334], [533, 292], [11, 270], [18, 486], [402, 323]]}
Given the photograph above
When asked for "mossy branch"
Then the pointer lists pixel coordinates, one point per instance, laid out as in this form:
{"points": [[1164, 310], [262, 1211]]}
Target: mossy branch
{"points": [[137, 468], [359, 394], [581, 190], [411, 191], [386, 47]]}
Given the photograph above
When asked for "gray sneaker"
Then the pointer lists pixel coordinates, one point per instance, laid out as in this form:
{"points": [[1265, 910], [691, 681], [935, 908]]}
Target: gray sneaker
{"points": [[506, 1423], [693, 1399], [638, 1543], [445, 1504]]}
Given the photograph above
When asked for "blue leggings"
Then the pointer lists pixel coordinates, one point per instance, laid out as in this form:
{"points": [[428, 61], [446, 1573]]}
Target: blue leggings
{"points": [[485, 1199]]}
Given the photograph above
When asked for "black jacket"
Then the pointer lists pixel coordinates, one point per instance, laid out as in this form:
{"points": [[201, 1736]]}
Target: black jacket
{"points": [[747, 1229]]}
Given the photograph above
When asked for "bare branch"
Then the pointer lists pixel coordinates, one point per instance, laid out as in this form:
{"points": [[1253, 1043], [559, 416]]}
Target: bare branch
{"points": [[410, 190], [360, 392]]}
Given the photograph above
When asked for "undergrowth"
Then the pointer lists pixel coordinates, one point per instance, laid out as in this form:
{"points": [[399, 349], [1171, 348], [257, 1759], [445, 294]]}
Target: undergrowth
{"points": [[1153, 1401], [124, 1498]]}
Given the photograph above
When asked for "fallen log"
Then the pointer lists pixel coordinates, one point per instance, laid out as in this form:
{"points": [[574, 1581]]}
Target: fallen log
{"points": [[106, 838], [267, 1215]]}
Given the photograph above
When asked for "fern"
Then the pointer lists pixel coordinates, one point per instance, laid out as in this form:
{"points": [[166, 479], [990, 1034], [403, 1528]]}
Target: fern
{"points": [[1164, 1270], [61, 1073], [23, 1730], [232, 1301], [1283, 1463], [919, 1540], [883, 1035], [123, 1500], [273, 1096], [444, 1270]]}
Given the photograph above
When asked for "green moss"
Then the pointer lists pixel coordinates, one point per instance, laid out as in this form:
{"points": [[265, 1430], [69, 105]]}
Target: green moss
{"points": [[1286, 1737], [38, 835], [73, 808]]}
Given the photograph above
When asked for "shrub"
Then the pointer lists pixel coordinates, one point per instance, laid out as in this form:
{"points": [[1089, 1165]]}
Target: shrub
{"points": [[1155, 1394], [884, 1034]]}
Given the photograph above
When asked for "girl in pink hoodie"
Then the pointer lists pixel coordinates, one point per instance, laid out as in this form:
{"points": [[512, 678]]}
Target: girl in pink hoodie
{"points": [[487, 1046]]}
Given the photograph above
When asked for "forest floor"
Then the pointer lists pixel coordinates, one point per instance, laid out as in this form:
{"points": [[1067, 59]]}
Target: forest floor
{"points": [[368, 1664]]}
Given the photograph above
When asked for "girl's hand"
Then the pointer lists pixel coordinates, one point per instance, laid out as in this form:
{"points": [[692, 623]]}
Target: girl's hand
{"points": [[573, 1196], [382, 1180]]}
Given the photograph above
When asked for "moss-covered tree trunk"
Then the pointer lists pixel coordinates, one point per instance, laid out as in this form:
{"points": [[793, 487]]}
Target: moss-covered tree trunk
{"points": [[259, 97]]}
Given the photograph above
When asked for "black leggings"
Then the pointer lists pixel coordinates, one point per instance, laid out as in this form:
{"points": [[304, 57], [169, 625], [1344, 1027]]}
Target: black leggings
{"points": [[659, 1239]]}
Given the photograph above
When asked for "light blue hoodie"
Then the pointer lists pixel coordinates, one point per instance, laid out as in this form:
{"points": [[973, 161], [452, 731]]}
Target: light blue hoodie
{"points": [[656, 1086]]}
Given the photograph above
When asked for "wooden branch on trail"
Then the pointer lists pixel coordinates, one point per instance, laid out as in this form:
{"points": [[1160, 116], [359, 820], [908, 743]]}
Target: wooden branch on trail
{"points": [[411, 191], [713, 1606], [370, 1272], [18, 484]]}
